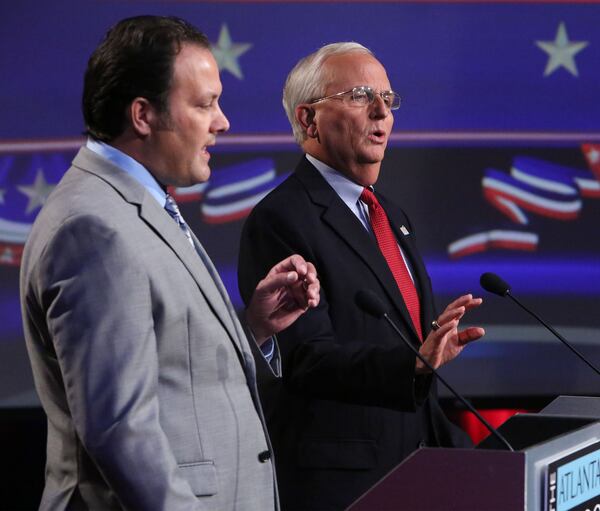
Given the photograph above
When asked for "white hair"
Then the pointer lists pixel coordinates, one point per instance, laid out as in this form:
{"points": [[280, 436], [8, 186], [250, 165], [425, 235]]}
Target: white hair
{"points": [[308, 80]]}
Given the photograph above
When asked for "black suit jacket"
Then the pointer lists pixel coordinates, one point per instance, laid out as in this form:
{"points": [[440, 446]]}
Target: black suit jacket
{"points": [[349, 407]]}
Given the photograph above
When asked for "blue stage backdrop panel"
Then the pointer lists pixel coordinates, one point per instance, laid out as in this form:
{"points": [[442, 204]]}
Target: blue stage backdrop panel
{"points": [[495, 154]]}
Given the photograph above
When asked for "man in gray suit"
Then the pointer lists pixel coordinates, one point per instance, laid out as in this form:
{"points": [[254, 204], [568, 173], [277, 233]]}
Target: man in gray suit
{"points": [[139, 360]]}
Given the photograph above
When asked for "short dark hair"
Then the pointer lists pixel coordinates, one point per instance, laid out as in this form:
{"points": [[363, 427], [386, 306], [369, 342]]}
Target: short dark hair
{"points": [[135, 59]]}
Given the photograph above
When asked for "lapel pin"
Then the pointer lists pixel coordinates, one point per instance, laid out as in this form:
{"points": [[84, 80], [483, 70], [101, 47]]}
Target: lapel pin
{"points": [[404, 230]]}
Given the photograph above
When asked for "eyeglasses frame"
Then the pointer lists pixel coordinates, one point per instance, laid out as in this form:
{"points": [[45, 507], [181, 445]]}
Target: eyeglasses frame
{"points": [[364, 88]]}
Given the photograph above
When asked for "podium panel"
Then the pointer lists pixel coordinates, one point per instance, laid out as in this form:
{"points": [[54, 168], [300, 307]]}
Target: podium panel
{"points": [[450, 480], [555, 467]]}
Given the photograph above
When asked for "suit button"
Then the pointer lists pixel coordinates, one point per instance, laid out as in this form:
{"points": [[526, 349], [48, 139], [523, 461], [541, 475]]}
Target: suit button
{"points": [[264, 456], [421, 444]]}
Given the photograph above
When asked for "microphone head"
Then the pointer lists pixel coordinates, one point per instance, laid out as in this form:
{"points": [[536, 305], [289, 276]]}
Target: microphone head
{"points": [[494, 284], [369, 302]]}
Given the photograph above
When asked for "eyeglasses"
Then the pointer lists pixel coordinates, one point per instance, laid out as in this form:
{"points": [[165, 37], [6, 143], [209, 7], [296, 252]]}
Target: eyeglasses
{"points": [[363, 95]]}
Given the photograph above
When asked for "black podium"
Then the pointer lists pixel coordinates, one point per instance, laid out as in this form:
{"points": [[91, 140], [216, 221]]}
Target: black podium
{"points": [[555, 466]]}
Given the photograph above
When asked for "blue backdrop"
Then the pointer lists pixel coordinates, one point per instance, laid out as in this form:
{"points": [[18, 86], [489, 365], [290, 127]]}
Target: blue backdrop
{"points": [[495, 152]]}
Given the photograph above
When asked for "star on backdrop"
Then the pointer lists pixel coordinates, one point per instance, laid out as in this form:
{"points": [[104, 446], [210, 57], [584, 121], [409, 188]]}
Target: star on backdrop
{"points": [[592, 154], [561, 52], [227, 52], [37, 192]]}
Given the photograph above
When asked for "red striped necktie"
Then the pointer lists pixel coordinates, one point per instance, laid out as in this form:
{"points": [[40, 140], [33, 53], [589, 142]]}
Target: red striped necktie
{"points": [[389, 248]]}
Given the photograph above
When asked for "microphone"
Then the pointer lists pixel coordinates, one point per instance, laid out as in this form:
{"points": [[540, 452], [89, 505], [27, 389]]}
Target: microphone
{"points": [[369, 302], [494, 284]]}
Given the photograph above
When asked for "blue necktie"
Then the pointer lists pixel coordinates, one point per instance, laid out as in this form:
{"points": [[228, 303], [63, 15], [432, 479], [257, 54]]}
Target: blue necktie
{"points": [[173, 210]]}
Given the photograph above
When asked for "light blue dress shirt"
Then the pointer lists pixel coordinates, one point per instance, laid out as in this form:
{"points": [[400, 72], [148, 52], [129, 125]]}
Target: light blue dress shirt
{"points": [[350, 192], [347, 190], [132, 167]]}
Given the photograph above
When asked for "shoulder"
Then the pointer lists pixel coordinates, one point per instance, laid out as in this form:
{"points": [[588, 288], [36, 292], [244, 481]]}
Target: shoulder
{"points": [[286, 200], [303, 192], [82, 218]]}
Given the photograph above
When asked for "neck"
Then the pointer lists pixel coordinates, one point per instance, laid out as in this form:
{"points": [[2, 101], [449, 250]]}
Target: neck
{"points": [[363, 174]]}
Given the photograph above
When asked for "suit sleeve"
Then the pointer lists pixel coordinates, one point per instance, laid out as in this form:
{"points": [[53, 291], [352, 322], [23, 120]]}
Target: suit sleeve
{"points": [[99, 311], [316, 361]]}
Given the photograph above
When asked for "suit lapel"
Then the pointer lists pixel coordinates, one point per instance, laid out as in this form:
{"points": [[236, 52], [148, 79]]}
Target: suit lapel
{"points": [[203, 272], [208, 265], [196, 261], [349, 228]]}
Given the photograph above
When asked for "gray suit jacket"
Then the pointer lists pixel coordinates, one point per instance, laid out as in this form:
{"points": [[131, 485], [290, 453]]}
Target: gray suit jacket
{"points": [[139, 360]]}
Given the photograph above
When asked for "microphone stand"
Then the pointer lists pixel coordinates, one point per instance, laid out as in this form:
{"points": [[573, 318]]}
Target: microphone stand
{"points": [[556, 334]]}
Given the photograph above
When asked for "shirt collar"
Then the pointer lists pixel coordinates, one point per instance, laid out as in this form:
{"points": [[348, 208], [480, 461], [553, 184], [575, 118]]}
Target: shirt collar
{"points": [[132, 167], [347, 189]]}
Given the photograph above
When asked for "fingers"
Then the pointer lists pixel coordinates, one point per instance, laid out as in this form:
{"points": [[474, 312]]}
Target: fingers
{"points": [[451, 314], [310, 294], [287, 291], [436, 339], [274, 281], [306, 291], [311, 274], [467, 301], [434, 346], [437, 336], [459, 301], [298, 276], [298, 264], [312, 285], [294, 263], [473, 303], [470, 334], [290, 264], [297, 269], [458, 308], [445, 343]]}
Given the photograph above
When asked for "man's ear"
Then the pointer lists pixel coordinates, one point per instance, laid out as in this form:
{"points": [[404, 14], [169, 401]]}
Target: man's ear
{"points": [[305, 115], [143, 116]]}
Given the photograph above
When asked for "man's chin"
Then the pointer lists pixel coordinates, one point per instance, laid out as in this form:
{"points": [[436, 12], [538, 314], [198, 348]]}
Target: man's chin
{"points": [[375, 154], [372, 158], [200, 176]]}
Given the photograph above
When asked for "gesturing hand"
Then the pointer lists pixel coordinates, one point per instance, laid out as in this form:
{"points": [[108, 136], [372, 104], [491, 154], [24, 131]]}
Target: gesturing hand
{"points": [[446, 343], [290, 288]]}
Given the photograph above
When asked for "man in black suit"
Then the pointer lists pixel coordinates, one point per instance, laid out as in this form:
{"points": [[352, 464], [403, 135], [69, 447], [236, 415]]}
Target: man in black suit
{"points": [[354, 401]]}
